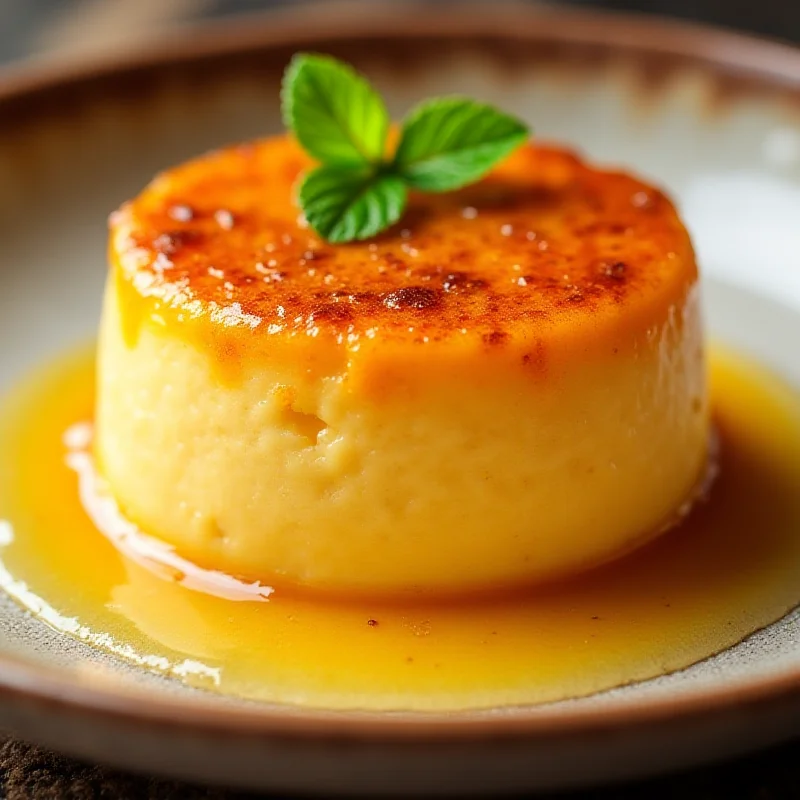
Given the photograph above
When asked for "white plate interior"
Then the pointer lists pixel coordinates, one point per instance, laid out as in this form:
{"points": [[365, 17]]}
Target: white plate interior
{"points": [[731, 160]]}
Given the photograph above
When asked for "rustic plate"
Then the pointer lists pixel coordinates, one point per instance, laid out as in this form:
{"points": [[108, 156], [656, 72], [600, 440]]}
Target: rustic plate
{"points": [[713, 116]]}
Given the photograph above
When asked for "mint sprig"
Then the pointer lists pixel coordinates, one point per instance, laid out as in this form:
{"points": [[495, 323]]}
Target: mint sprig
{"points": [[341, 121]]}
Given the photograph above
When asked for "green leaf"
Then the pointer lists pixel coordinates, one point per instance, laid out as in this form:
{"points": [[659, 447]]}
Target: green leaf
{"points": [[345, 204], [340, 120], [333, 111], [449, 142]]}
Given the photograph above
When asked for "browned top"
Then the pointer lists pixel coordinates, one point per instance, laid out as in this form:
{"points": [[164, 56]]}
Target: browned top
{"points": [[545, 241]]}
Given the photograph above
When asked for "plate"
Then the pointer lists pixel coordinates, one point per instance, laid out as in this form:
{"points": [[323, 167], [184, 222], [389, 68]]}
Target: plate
{"points": [[713, 116]]}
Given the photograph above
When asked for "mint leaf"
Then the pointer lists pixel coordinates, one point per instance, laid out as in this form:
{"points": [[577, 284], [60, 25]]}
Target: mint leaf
{"points": [[340, 120], [333, 111], [449, 142], [345, 204]]}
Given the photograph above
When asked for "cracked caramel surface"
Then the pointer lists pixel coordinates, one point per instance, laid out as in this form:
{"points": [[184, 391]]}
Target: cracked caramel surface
{"points": [[542, 244]]}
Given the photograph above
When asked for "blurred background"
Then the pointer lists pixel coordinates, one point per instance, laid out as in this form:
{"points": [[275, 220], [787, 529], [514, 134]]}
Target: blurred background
{"points": [[64, 27]]}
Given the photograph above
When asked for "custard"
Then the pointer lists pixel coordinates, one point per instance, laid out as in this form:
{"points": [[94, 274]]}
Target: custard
{"points": [[506, 388]]}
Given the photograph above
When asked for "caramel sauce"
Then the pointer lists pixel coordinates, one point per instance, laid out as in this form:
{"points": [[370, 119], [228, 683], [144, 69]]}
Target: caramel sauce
{"points": [[732, 567]]}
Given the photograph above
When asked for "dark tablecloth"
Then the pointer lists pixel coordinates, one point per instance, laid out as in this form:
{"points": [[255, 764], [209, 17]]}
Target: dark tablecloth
{"points": [[29, 773]]}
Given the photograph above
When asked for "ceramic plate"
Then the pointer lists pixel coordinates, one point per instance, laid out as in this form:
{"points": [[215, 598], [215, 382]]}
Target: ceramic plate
{"points": [[713, 116]]}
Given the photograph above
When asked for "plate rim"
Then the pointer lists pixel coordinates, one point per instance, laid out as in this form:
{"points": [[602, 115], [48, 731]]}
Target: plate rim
{"points": [[725, 50], [730, 54]]}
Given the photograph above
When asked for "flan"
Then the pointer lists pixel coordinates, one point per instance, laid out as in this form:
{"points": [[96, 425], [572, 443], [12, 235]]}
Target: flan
{"points": [[506, 387]]}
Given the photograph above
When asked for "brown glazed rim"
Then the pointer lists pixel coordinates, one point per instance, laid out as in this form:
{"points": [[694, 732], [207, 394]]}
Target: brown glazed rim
{"points": [[733, 57]]}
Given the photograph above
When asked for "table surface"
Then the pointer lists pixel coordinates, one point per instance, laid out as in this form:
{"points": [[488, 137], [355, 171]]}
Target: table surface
{"points": [[29, 773], [41, 26]]}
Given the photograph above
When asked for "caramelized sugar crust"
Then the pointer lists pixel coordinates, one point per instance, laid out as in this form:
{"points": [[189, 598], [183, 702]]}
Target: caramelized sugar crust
{"points": [[544, 242]]}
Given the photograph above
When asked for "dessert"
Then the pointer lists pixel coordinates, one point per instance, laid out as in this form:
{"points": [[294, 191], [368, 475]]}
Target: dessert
{"points": [[505, 387]]}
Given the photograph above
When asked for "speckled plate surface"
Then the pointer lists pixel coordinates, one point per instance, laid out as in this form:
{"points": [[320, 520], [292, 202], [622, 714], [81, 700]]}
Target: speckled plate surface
{"points": [[713, 116]]}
